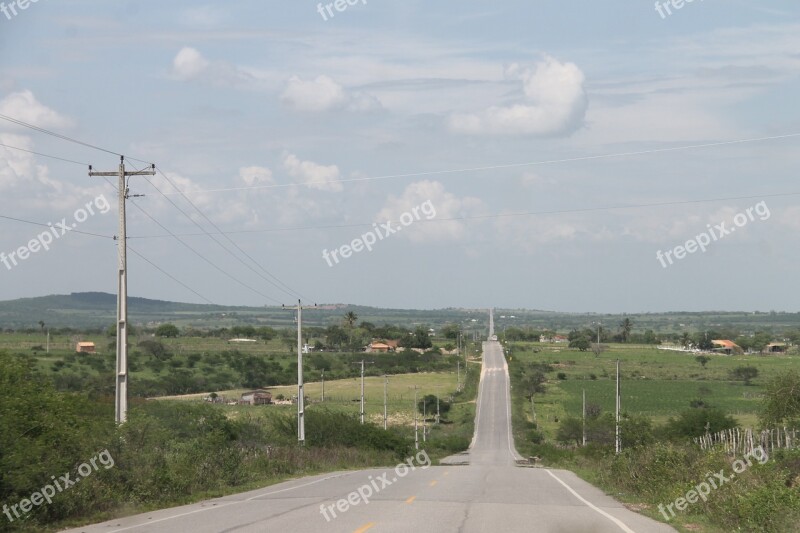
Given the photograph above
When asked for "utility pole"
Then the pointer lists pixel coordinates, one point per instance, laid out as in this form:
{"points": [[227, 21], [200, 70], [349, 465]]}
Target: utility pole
{"points": [[323, 386], [385, 398], [437, 407], [424, 420], [416, 424], [363, 363], [458, 377], [301, 409], [121, 400], [617, 442], [48, 340], [584, 417]]}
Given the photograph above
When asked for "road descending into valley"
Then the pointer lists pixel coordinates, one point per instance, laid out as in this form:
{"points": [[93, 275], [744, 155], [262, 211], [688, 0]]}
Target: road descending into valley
{"points": [[480, 491]]}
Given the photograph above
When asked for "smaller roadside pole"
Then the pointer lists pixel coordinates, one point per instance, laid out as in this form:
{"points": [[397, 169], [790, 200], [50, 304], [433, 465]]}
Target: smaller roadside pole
{"points": [[363, 363], [617, 441]]}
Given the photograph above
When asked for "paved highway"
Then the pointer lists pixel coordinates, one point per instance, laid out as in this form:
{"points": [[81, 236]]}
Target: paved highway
{"points": [[487, 493]]}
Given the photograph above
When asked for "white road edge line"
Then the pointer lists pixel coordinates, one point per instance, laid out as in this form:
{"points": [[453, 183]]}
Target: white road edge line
{"points": [[507, 379], [621, 525], [150, 522]]}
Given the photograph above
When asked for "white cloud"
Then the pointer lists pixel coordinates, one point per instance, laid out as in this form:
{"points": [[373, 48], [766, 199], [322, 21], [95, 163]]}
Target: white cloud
{"points": [[324, 94], [24, 106], [253, 176], [189, 63], [323, 178], [555, 104], [446, 206]]}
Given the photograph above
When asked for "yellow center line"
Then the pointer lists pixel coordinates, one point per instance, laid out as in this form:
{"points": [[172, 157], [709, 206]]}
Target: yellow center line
{"points": [[365, 527], [433, 483], [411, 499]]}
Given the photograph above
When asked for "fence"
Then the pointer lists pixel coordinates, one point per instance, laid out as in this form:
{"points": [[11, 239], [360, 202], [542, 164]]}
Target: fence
{"points": [[742, 441]]}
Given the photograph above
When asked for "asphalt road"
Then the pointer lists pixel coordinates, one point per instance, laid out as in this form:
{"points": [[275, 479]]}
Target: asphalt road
{"points": [[487, 492]]}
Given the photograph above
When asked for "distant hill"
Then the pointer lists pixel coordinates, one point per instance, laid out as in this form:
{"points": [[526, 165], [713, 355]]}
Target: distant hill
{"points": [[86, 310], [99, 309]]}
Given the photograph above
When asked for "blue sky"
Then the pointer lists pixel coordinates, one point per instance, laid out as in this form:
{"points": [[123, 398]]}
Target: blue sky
{"points": [[275, 123]]}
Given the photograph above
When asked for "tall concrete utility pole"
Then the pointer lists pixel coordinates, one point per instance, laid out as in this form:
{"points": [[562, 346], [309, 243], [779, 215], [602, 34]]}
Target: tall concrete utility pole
{"points": [[301, 411], [121, 400]]}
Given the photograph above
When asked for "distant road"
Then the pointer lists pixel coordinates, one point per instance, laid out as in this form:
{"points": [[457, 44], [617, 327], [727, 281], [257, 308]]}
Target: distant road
{"points": [[488, 494]]}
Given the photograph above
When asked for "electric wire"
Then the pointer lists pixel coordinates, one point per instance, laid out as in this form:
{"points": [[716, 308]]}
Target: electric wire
{"points": [[494, 215], [277, 283]]}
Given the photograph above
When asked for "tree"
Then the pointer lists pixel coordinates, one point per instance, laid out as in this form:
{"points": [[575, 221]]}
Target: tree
{"points": [[451, 331], [626, 326], [744, 373], [266, 333], [581, 343], [155, 350], [686, 339], [350, 319], [167, 330], [418, 339], [428, 405], [781, 403], [703, 360], [570, 430], [336, 336], [697, 422]]}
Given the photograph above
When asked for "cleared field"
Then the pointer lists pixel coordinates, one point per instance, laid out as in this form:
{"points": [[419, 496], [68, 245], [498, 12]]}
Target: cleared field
{"points": [[345, 394]]}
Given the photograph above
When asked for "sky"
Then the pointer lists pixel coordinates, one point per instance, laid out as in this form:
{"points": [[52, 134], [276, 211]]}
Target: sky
{"points": [[616, 156]]}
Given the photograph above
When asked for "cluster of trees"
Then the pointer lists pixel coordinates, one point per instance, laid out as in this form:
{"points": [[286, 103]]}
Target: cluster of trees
{"points": [[696, 421], [166, 452]]}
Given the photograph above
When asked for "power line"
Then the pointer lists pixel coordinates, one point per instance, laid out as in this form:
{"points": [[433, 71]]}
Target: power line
{"points": [[490, 216], [201, 256], [64, 137], [50, 226], [170, 276], [285, 288], [44, 155], [501, 167]]}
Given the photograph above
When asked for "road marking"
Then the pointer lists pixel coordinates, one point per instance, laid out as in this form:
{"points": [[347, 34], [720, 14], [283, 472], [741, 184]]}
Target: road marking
{"points": [[447, 473], [365, 527], [433, 483], [411, 499], [621, 525]]}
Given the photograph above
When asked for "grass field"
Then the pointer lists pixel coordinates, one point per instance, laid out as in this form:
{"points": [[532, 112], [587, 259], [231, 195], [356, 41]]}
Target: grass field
{"points": [[655, 383], [344, 395]]}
